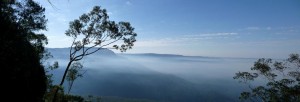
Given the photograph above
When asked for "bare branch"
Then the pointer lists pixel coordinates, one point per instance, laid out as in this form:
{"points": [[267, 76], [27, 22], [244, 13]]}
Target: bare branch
{"points": [[71, 54]]}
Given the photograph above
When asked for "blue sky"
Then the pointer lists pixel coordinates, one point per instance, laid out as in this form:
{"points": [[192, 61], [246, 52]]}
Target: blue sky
{"points": [[221, 28]]}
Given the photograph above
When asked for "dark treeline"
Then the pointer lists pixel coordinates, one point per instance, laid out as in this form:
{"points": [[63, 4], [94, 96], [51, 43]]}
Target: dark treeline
{"points": [[23, 74]]}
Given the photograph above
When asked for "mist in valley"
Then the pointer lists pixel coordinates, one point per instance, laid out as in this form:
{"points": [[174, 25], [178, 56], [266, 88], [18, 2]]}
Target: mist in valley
{"points": [[158, 77], [150, 50]]}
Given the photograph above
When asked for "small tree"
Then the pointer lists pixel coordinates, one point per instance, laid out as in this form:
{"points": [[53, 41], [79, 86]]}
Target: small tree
{"points": [[283, 80], [93, 32], [74, 73]]}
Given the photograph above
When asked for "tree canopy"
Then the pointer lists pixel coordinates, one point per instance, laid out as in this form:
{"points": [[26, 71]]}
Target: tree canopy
{"points": [[93, 32], [282, 80], [22, 50]]}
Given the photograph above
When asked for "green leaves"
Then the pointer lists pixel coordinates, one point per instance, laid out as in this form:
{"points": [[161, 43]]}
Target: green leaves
{"points": [[283, 80], [280, 66], [75, 29], [294, 58], [84, 18], [92, 32], [262, 65], [96, 30], [54, 66], [245, 76], [31, 16], [74, 71]]}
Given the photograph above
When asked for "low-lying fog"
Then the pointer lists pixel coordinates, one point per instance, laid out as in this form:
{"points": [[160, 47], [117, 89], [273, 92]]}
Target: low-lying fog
{"points": [[158, 77]]}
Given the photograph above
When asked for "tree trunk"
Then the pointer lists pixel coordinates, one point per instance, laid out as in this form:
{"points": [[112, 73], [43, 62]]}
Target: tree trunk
{"points": [[62, 81], [70, 86]]}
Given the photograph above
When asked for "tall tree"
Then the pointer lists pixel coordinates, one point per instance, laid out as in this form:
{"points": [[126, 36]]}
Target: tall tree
{"points": [[93, 32], [23, 48], [282, 80]]}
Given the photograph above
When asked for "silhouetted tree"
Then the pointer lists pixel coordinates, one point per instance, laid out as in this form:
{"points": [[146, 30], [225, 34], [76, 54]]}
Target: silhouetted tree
{"points": [[22, 50], [49, 75], [73, 73], [73, 98], [282, 80], [93, 32]]}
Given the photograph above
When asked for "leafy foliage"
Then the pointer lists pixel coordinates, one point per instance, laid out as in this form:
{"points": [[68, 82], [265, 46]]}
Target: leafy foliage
{"points": [[64, 98], [283, 80], [49, 75], [73, 98], [31, 18], [22, 46], [98, 32], [74, 73], [92, 32]]}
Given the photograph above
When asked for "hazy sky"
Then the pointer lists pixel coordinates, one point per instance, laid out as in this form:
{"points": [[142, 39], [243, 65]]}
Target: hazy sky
{"points": [[225, 28]]}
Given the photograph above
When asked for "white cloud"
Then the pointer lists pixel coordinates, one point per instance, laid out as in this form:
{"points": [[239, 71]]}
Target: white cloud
{"points": [[207, 36], [216, 34], [159, 42], [183, 40]]}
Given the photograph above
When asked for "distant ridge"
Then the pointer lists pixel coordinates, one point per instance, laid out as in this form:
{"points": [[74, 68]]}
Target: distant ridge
{"points": [[163, 55], [178, 55], [155, 54], [64, 52]]}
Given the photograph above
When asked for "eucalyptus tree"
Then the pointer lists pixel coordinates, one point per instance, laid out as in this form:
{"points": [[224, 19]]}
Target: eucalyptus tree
{"points": [[282, 80], [93, 32]]}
